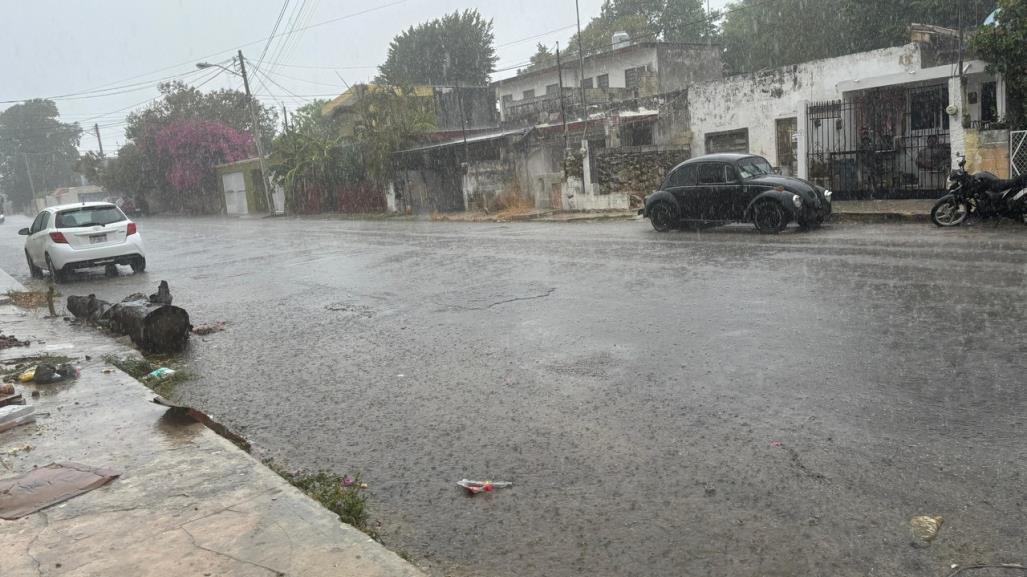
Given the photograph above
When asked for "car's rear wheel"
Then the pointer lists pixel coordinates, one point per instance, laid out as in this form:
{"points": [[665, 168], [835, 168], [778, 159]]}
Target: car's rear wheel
{"points": [[769, 217], [661, 215], [55, 273], [34, 270], [139, 265]]}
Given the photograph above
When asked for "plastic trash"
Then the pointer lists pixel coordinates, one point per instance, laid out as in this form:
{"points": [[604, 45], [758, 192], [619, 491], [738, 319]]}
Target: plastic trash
{"points": [[46, 374], [475, 487], [161, 373], [28, 375], [925, 529]]}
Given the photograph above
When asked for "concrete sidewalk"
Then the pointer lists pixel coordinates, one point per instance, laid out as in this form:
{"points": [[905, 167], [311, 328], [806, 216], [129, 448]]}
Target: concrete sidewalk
{"points": [[188, 503], [917, 210], [8, 284], [870, 211]]}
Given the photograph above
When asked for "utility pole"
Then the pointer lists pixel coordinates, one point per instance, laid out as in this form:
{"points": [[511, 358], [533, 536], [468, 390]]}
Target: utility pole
{"points": [[563, 109], [285, 118], [463, 121], [96, 127], [581, 65], [28, 171], [959, 17], [256, 135]]}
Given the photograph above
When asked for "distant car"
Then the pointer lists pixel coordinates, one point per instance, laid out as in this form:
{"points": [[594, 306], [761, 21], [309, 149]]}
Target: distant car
{"points": [[725, 188], [73, 236]]}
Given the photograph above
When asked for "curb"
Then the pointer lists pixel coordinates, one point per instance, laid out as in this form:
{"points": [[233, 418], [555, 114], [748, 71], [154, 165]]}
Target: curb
{"points": [[8, 284], [879, 217]]}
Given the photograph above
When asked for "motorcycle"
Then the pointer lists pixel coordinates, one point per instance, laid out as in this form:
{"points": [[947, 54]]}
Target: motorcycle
{"points": [[982, 195]]}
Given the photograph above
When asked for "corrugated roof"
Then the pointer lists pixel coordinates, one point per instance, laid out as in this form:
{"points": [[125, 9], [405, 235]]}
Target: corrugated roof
{"points": [[471, 139]]}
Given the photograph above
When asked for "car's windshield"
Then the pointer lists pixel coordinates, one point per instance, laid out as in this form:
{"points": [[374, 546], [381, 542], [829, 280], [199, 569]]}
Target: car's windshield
{"points": [[754, 166], [89, 216]]}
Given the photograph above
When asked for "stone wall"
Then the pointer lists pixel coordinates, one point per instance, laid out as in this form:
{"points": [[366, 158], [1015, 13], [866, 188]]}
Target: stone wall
{"points": [[635, 171]]}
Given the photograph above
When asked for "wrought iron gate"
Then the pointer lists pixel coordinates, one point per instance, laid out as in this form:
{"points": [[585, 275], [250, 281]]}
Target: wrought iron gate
{"points": [[1018, 153], [882, 143]]}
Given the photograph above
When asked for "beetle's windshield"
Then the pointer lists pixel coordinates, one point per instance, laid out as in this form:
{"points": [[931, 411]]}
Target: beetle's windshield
{"points": [[754, 166]]}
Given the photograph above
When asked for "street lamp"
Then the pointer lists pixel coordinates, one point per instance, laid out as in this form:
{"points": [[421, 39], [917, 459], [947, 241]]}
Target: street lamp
{"points": [[255, 127]]}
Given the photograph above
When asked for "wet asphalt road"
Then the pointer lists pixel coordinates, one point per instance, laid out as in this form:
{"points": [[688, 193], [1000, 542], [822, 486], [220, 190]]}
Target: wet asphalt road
{"points": [[681, 404]]}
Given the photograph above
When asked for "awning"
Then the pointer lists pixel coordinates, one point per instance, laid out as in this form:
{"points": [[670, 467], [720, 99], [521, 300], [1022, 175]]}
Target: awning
{"points": [[921, 75], [521, 132]]}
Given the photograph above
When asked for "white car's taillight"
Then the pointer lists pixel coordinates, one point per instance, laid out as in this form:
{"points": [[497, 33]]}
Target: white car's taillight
{"points": [[131, 229], [58, 237]]}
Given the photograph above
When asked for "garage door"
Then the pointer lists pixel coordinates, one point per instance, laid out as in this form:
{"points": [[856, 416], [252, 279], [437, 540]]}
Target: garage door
{"points": [[235, 193]]}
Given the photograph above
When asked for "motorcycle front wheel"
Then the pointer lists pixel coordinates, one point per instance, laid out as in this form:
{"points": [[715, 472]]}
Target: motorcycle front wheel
{"points": [[949, 212]]}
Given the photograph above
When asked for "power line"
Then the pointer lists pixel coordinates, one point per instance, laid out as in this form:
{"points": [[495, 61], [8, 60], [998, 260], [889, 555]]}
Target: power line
{"points": [[192, 61], [315, 67], [540, 35], [273, 31], [280, 75], [272, 81]]}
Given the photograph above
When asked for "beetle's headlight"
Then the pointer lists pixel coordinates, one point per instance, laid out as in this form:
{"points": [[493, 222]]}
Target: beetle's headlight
{"points": [[827, 194], [796, 201]]}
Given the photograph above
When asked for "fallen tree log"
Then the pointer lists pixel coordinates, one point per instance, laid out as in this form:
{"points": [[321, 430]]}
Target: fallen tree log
{"points": [[153, 326]]}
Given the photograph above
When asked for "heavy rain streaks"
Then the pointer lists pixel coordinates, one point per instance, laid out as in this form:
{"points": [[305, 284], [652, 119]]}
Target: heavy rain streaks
{"points": [[700, 403]]}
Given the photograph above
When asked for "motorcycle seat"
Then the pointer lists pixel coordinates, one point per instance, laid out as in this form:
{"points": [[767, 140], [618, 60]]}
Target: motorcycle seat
{"points": [[996, 184]]}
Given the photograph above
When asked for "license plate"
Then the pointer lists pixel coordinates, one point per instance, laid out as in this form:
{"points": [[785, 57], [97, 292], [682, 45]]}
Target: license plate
{"points": [[97, 238]]}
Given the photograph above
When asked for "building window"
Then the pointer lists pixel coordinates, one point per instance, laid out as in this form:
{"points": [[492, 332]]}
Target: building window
{"points": [[633, 77], [603, 81], [507, 99], [552, 89], [927, 108], [730, 141], [636, 133], [989, 102], [587, 83], [528, 94]]}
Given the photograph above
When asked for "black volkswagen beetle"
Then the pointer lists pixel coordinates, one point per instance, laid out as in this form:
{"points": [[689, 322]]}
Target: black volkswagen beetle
{"points": [[723, 188]]}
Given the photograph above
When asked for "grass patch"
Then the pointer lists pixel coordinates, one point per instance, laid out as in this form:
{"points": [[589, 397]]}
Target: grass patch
{"points": [[140, 368], [29, 299], [349, 502]]}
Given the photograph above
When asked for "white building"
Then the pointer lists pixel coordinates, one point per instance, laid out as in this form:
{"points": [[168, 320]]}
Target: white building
{"points": [[888, 122], [629, 70]]}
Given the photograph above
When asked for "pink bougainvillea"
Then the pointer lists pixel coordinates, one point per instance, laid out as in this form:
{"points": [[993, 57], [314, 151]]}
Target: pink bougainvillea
{"points": [[193, 147]]}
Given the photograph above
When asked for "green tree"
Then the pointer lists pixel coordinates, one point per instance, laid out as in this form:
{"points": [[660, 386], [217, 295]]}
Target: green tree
{"points": [[457, 48], [542, 58], [32, 138], [686, 21], [646, 20], [1005, 47], [310, 120], [179, 101], [757, 34]]}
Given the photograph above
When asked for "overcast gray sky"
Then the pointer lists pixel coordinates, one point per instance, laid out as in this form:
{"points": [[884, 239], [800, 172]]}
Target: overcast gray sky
{"points": [[68, 47]]}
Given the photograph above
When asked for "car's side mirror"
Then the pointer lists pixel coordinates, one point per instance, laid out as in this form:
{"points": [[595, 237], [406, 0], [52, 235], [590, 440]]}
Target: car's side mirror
{"points": [[24, 232]]}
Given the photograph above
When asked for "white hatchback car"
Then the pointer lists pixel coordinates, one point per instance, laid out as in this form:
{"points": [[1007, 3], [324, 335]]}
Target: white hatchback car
{"points": [[72, 236]]}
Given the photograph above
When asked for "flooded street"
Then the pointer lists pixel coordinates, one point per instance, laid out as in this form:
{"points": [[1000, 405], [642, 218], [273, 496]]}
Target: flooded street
{"points": [[724, 403]]}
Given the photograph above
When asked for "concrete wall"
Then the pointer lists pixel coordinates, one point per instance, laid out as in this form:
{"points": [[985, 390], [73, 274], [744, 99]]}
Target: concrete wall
{"points": [[612, 63], [987, 150], [755, 101], [487, 179]]}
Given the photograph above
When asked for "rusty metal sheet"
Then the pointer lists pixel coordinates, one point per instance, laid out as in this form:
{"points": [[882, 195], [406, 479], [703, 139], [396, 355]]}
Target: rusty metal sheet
{"points": [[49, 485]]}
